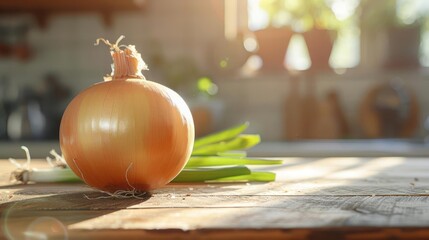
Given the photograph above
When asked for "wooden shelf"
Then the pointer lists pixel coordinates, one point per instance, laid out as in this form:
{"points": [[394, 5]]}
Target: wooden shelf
{"points": [[43, 9], [19, 6]]}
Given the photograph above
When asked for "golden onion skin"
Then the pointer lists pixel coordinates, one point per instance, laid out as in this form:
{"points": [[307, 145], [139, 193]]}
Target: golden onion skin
{"points": [[119, 125]]}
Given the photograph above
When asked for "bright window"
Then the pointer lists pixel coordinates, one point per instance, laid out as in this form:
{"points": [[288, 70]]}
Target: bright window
{"points": [[346, 49]]}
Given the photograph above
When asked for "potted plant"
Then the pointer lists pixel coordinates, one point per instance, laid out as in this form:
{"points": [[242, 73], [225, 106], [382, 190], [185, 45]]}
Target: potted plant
{"points": [[402, 36], [274, 39], [318, 24]]}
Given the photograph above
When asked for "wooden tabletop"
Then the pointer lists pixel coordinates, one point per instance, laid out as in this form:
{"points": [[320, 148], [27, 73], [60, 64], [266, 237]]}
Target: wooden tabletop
{"points": [[317, 198]]}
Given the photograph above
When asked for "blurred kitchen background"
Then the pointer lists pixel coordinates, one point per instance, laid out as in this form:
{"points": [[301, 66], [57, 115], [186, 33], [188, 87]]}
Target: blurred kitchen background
{"points": [[329, 77]]}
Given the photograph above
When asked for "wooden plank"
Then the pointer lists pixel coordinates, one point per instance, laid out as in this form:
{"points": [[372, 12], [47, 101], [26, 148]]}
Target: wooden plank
{"points": [[405, 187], [354, 233], [378, 213], [229, 211], [349, 233], [223, 212], [327, 176]]}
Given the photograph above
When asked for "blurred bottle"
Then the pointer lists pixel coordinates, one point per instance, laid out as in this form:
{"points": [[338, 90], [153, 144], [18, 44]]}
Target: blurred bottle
{"points": [[3, 112], [26, 121], [3, 123], [18, 124], [426, 129]]}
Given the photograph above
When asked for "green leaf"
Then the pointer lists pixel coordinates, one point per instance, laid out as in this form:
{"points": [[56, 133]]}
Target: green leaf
{"points": [[211, 161], [252, 177], [240, 142], [236, 154], [206, 174], [221, 136]]}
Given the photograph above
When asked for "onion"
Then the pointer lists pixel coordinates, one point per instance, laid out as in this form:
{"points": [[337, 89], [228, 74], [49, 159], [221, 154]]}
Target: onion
{"points": [[127, 133]]}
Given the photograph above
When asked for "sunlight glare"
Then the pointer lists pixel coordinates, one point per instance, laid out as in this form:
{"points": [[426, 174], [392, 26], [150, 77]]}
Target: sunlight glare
{"points": [[297, 57], [343, 9], [319, 168], [254, 62], [250, 44], [258, 19], [369, 168]]}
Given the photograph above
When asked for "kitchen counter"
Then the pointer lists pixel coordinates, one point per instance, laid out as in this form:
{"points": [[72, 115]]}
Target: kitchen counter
{"points": [[312, 198], [343, 148]]}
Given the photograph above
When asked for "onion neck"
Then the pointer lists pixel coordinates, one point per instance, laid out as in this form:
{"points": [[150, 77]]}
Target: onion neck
{"points": [[127, 62]]}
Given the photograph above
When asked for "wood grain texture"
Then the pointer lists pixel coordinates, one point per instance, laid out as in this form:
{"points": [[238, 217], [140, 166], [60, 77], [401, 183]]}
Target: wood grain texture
{"points": [[329, 198]]}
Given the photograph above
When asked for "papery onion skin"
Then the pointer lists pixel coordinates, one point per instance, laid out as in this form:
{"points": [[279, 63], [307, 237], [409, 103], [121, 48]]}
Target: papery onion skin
{"points": [[131, 124]]}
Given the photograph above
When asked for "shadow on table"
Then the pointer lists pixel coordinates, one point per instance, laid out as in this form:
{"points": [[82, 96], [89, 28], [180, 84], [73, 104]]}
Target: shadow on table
{"points": [[44, 217], [44, 188]]}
